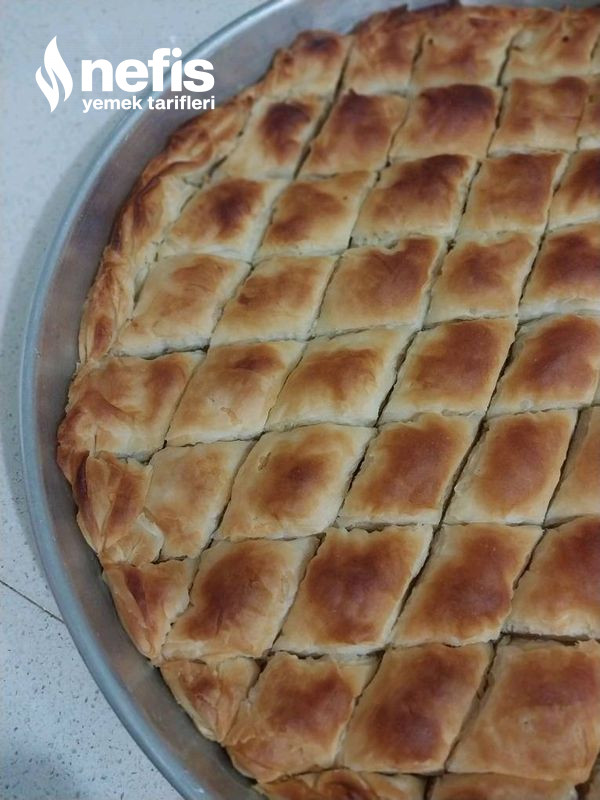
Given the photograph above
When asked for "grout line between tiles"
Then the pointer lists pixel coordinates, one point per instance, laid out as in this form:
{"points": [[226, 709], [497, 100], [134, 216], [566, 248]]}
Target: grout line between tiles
{"points": [[29, 600]]}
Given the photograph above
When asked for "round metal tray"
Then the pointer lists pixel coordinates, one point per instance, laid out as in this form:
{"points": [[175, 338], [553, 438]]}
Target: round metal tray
{"points": [[240, 53]]}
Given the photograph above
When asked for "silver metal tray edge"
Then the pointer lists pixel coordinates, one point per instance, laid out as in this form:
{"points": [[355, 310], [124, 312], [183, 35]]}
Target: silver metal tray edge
{"points": [[240, 52]]}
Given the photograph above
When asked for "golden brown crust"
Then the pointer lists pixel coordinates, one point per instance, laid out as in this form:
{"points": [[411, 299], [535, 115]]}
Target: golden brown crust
{"points": [[110, 496], [539, 717], [566, 275], [448, 119], [211, 695], [589, 127], [383, 52], [579, 491], [410, 714], [542, 116], [513, 470], [293, 483], [148, 598], [578, 196], [408, 471], [179, 304], [451, 368], [189, 489], [499, 787], [555, 363], [312, 63], [352, 590], [232, 392], [356, 135], [423, 196], [344, 379], [511, 193], [295, 715], [343, 784], [315, 217], [482, 278], [123, 405], [273, 141], [464, 593], [279, 300], [239, 599], [559, 595]]}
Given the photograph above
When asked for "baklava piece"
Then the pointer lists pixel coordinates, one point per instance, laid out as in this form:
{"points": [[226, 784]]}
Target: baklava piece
{"points": [[589, 127], [295, 715], [499, 787], [464, 593], [408, 472], [278, 300], [482, 278], [539, 716], [377, 286], [352, 590], [411, 713], [240, 596], [513, 470], [232, 392], [577, 199], [344, 379], [451, 369], [344, 784], [559, 595], [293, 483], [211, 695]]}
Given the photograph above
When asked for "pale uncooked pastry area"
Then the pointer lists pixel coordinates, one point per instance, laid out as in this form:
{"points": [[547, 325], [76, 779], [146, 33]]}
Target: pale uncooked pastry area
{"points": [[59, 739]]}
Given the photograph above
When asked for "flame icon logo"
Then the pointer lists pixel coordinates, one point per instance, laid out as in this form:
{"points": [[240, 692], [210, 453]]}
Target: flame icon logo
{"points": [[55, 68]]}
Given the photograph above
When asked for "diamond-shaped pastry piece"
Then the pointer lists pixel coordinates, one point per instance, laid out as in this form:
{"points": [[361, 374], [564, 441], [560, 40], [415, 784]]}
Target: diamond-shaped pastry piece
{"points": [[589, 127], [211, 695], [293, 483], [382, 55], [122, 405], [500, 787], [240, 596], [315, 217], [378, 286], [278, 300], [274, 138], [465, 45], [482, 278], [451, 369], [448, 119], [463, 595], [311, 64], [566, 274], [232, 392], [179, 304], [295, 715], [188, 491], [344, 379], [225, 218], [554, 363], [408, 471], [539, 716], [110, 494], [513, 470], [577, 199], [579, 489], [411, 713], [511, 193], [352, 590], [559, 595], [423, 196], [327, 785], [149, 598], [356, 135], [541, 116], [554, 44]]}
